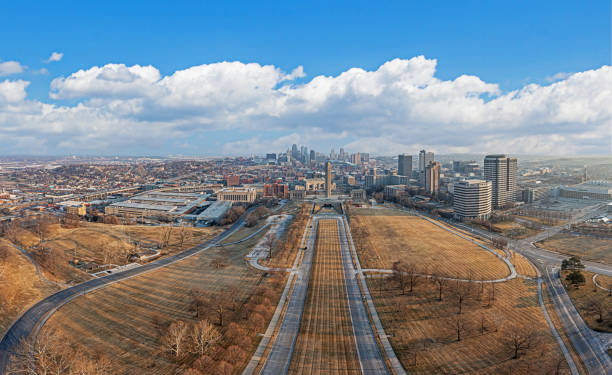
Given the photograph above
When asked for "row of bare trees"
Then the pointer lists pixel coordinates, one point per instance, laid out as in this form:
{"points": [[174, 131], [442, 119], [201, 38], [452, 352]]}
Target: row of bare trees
{"points": [[50, 353], [221, 332], [516, 339]]}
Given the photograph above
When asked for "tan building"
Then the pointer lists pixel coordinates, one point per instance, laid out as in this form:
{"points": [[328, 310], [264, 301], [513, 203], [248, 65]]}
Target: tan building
{"points": [[432, 177], [237, 195], [314, 184], [472, 199]]}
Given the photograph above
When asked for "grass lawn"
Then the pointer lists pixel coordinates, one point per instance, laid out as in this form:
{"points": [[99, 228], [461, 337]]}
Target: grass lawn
{"points": [[586, 247]]}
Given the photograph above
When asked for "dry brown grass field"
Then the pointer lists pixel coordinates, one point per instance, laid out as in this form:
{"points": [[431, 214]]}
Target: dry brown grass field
{"points": [[92, 240], [586, 247], [430, 336], [590, 301], [522, 265], [126, 321], [20, 285], [383, 240], [515, 229], [325, 343]]}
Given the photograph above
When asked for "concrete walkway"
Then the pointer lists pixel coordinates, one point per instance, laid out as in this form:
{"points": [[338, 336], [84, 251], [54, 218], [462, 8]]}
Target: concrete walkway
{"points": [[263, 344], [279, 358]]}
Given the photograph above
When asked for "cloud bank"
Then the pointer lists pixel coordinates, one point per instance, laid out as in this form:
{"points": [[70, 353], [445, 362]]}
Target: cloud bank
{"points": [[398, 107]]}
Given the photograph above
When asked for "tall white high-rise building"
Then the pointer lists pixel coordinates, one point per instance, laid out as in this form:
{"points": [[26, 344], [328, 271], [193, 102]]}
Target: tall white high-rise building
{"points": [[501, 171], [472, 199]]}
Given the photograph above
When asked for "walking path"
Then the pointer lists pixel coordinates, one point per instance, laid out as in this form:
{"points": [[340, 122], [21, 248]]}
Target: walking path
{"points": [[599, 285], [263, 344], [261, 250], [279, 358]]}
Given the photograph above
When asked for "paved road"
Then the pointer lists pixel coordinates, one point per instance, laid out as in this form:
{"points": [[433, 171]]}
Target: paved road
{"points": [[370, 357], [32, 320], [279, 358]]}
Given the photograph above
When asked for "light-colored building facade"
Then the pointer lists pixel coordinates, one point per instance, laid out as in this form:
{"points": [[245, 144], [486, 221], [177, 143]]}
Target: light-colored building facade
{"points": [[424, 159], [594, 190], [432, 177], [472, 199], [237, 195], [501, 170]]}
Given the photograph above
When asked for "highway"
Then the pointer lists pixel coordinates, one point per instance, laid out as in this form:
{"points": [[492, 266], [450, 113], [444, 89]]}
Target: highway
{"points": [[279, 358], [35, 317]]}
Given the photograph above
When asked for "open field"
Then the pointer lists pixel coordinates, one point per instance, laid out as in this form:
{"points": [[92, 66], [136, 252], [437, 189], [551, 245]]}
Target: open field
{"points": [[383, 240], [106, 243], [20, 285], [325, 343], [126, 321], [523, 266], [586, 247], [430, 336], [587, 295], [513, 229]]}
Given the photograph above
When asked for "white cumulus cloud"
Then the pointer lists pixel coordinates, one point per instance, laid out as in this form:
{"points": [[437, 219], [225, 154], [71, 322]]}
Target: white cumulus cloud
{"points": [[10, 67], [398, 107], [55, 56]]}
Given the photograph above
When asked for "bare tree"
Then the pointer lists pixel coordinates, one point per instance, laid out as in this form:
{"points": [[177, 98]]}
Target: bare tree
{"points": [[459, 326], [182, 235], [597, 307], [164, 236], [175, 337], [483, 323], [461, 291], [269, 241], [519, 339], [399, 274], [203, 336], [441, 283], [46, 354], [219, 261], [412, 276], [198, 302]]}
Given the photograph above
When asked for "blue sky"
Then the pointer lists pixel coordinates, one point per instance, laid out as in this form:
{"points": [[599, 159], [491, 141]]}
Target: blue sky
{"points": [[510, 44]]}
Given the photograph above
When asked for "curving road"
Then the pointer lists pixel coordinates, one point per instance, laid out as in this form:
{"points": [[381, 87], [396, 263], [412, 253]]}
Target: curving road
{"points": [[35, 317]]}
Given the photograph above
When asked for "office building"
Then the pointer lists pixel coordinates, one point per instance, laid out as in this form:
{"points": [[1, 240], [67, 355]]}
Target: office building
{"points": [[232, 180], [591, 190], [501, 171], [472, 199], [276, 190], [404, 165], [424, 159], [432, 177]]}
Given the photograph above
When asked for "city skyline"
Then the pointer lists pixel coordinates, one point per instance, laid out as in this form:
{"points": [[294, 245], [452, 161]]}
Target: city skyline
{"points": [[188, 88]]}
